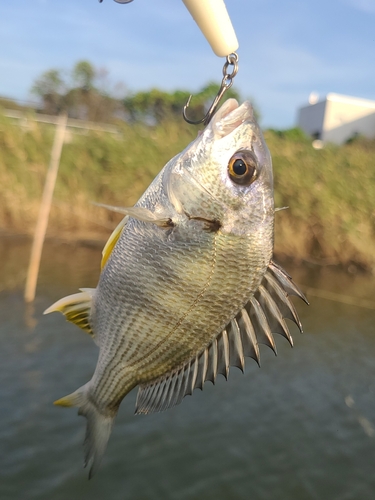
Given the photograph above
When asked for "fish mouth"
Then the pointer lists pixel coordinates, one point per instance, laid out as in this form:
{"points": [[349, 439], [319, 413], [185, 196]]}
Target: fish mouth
{"points": [[230, 116]]}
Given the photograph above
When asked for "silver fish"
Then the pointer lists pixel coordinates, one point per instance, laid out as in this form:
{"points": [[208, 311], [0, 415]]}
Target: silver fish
{"points": [[188, 286]]}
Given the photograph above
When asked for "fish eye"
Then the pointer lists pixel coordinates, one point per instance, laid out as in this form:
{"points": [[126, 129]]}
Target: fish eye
{"points": [[242, 168]]}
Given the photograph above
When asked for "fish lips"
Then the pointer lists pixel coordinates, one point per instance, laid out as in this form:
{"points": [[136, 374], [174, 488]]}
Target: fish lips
{"points": [[229, 117]]}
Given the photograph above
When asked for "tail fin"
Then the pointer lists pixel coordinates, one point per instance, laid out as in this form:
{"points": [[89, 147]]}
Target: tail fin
{"points": [[98, 429]]}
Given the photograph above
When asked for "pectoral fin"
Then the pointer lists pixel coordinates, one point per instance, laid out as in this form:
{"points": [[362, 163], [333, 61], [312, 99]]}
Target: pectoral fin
{"points": [[140, 213], [76, 308]]}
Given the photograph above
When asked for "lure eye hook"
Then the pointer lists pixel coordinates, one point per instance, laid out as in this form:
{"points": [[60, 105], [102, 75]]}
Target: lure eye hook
{"points": [[226, 83]]}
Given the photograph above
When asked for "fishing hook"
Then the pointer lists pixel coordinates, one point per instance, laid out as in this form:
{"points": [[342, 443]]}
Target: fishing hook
{"points": [[119, 1], [226, 83]]}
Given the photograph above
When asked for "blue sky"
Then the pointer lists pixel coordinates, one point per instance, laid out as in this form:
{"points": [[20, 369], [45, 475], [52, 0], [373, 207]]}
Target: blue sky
{"points": [[287, 49]]}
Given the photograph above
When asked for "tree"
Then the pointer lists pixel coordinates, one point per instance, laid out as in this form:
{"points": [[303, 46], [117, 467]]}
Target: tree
{"points": [[84, 75], [83, 96], [89, 95], [50, 88], [156, 105]]}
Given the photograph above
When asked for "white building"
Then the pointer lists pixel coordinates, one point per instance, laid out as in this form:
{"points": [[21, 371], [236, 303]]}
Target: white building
{"points": [[337, 118]]}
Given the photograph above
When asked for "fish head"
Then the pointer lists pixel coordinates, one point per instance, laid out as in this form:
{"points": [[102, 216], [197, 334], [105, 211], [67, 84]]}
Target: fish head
{"points": [[226, 173]]}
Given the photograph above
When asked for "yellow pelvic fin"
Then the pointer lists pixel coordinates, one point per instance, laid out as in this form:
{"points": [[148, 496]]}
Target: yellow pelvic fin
{"points": [[66, 401], [74, 399], [76, 308], [112, 240]]}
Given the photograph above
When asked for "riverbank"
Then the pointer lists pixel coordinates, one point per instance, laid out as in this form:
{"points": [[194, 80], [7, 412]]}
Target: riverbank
{"points": [[330, 192]]}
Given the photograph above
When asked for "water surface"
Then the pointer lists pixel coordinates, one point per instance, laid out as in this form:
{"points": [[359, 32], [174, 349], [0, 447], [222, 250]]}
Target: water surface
{"points": [[300, 427]]}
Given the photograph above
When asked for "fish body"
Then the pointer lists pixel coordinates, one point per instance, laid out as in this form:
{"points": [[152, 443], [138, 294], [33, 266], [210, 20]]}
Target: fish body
{"points": [[187, 286]]}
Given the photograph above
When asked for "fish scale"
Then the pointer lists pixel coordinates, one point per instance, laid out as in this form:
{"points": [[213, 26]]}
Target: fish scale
{"points": [[188, 287], [206, 322]]}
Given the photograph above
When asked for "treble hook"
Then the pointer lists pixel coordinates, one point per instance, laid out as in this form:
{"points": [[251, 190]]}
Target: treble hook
{"points": [[226, 83]]}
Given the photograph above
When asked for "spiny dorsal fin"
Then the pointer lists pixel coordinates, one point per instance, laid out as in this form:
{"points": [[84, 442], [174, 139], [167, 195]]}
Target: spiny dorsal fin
{"points": [[274, 317], [112, 240], [76, 308], [286, 281], [261, 316]]}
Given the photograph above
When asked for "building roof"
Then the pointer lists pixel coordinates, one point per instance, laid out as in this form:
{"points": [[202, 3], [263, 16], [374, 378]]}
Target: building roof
{"points": [[357, 101]]}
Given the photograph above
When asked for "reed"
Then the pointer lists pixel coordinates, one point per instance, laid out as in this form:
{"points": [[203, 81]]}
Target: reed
{"points": [[330, 192]]}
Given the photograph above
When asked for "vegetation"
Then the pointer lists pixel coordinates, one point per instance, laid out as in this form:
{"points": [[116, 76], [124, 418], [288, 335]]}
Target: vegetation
{"points": [[86, 92], [95, 167], [157, 106], [329, 192]]}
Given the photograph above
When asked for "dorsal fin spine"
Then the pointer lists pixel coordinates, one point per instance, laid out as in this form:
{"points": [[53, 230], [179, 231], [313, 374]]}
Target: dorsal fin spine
{"points": [[263, 314]]}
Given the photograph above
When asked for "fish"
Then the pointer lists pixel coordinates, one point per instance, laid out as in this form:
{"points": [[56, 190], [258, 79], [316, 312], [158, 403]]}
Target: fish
{"points": [[188, 285]]}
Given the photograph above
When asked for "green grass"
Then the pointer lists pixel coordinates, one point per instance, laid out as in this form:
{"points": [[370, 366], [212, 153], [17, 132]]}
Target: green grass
{"points": [[331, 195], [330, 192]]}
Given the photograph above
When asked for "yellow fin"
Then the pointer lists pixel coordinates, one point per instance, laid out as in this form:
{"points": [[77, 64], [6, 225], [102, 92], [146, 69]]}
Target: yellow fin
{"points": [[73, 399], [76, 308], [66, 401], [112, 240]]}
